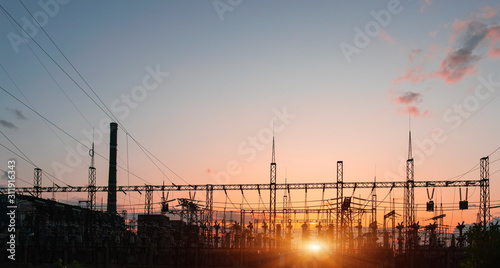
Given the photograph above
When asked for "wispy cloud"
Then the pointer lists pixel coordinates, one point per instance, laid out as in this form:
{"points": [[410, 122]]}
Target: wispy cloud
{"points": [[8, 124], [384, 35], [414, 111], [414, 52], [487, 12], [425, 4], [434, 33], [462, 60], [494, 37], [5, 176], [408, 98], [415, 71], [413, 75], [407, 102], [18, 114], [470, 40]]}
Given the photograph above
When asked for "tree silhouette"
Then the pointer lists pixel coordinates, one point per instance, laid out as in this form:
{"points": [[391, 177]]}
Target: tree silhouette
{"points": [[484, 246]]}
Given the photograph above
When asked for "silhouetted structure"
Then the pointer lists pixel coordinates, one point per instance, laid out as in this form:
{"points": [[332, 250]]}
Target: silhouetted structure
{"points": [[112, 168], [193, 233]]}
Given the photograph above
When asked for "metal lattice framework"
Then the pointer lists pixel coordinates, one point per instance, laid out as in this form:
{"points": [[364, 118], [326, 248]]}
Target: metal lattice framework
{"points": [[484, 210], [92, 192], [340, 188], [483, 183], [92, 181], [38, 183], [286, 206], [149, 200], [238, 187], [409, 202], [345, 223], [374, 214], [272, 199], [209, 207]]}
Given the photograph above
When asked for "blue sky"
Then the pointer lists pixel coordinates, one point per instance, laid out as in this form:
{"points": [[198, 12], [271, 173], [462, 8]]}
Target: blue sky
{"points": [[228, 77]]}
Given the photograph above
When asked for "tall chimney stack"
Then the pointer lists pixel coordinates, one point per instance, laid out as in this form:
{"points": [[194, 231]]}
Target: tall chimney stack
{"points": [[112, 168]]}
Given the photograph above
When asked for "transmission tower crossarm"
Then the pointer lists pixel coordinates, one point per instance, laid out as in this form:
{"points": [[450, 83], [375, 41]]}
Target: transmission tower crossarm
{"points": [[237, 187]]}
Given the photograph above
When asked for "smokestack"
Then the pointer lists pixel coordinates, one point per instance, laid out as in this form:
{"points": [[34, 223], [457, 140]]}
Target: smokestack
{"points": [[112, 167]]}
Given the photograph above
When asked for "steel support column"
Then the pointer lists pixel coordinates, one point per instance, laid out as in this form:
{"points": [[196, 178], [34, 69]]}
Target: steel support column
{"points": [[38, 183], [484, 209]]}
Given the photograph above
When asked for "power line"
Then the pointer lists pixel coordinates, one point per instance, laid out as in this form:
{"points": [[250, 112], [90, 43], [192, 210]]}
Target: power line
{"points": [[48, 72], [97, 96], [151, 159], [145, 149], [50, 122], [498, 148], [475, 167], [17, 178], [57, 84], [111, 115], [62, 130], [33, 107], [10, 150], [29, 161], [55, 62], [72, 66]]}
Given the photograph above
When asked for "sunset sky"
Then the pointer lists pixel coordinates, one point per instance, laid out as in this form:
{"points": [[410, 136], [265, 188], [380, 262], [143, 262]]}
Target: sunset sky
{"points": [[200, 83]]}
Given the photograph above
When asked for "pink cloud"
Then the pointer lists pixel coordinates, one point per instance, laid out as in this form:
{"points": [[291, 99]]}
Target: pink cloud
{"points": [[413, 75], [488, 12], [384, 35], [414, 52], [494, 52], [457, 28], [436, 131], [434, 33], [461, 61], [451, 73], [493, 35], [416, 73], [424, 4], [431, 55], [407, 103], [407, 98], [460, 25], [413, 110]]}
